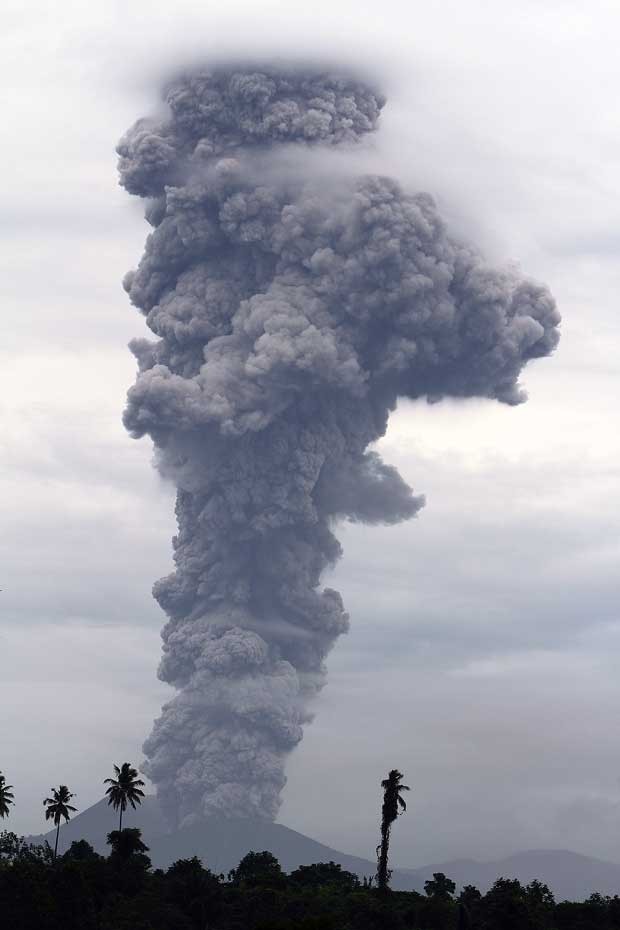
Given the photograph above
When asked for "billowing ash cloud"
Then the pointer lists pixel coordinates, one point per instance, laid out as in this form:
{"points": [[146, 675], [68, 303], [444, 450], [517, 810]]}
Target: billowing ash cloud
{"points": [[292, 307]]}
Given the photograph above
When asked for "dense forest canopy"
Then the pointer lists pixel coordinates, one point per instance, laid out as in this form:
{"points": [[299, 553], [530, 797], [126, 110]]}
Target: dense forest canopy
{"points": [[82, 890]]}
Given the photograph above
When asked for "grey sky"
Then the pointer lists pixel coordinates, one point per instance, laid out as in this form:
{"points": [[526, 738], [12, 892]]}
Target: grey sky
{"points": [[482, 658]]}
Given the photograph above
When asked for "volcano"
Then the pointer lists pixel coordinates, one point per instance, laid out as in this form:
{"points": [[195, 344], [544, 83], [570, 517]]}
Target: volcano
{"points": [[221, 843]]}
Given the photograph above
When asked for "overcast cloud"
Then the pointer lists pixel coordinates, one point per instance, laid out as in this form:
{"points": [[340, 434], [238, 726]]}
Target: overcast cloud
{"points": [[483, 654]]}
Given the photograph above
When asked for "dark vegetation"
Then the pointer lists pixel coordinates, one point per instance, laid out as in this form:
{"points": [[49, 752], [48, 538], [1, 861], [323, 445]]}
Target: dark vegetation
{"points": [[125, 789], [392, 804], [57, 808], [81, 890]]}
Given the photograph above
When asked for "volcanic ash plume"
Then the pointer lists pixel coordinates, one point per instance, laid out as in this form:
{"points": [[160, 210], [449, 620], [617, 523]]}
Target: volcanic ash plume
{"points": [[292, 306]]}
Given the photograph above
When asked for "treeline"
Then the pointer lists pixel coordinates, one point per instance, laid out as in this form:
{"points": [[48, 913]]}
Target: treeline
{"points": [[82, 890]]}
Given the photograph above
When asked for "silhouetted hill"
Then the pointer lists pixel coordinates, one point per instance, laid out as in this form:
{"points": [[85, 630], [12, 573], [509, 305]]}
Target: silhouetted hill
{"points": [[569, 875], [222, 843]]}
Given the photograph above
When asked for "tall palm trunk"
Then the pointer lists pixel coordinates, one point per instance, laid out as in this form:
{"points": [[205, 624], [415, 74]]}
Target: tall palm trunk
{"points": [[382, 870], [392, 802], [56, 844], [120, 819]]}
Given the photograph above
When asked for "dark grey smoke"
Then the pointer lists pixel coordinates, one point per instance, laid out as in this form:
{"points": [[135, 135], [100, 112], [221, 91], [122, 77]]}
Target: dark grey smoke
{"points": [[293, 306]]}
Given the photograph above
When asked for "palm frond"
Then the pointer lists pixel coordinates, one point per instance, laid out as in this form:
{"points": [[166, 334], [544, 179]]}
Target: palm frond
{"points": [[125, 788]]}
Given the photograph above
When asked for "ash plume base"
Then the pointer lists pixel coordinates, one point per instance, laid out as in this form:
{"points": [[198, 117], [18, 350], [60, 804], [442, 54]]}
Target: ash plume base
{"points": [[291, 308]]}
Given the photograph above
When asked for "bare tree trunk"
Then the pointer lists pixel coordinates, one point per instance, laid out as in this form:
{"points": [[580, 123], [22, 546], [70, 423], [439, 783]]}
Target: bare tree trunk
{"points": [[383, 874]]}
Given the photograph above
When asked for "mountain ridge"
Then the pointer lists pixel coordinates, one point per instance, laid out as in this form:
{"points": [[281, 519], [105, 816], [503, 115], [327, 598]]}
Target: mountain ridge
{"points": [[222, 842]]}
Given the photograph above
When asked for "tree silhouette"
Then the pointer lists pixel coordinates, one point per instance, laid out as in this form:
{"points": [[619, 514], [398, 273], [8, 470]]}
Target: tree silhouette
{"points": [[257, 869], [126, 843], [126, 787], [195, 891], [129, 862], [439, 886], [393, 804], [469, 903], [58, 807], [322, 874], [6, 797]]}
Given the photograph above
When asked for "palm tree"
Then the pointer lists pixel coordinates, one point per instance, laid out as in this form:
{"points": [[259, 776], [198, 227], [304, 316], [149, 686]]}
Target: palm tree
{"points": [[6, 797], [393, 804], [125, 787], [58, 807]]}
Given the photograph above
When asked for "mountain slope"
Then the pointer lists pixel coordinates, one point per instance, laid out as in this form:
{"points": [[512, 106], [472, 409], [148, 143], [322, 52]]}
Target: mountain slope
{"points": [[97, 821], [222, 843], [569, 875]]}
